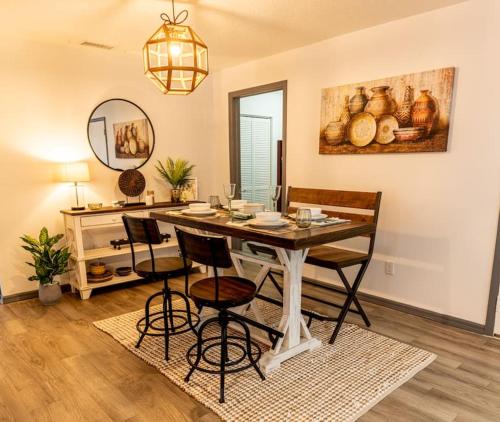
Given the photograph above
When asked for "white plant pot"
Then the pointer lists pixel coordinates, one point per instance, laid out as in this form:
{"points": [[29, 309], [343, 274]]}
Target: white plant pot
{"points": [[49, 294]]}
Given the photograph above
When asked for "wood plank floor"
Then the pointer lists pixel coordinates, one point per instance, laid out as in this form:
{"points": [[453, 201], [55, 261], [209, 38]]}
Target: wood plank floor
{"points": [[55, 366]]}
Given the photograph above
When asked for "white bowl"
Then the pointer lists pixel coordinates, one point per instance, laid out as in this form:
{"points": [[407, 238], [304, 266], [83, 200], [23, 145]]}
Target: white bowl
{"points": [[199, 206], [315, 211], [237, 203], [268, 216]]}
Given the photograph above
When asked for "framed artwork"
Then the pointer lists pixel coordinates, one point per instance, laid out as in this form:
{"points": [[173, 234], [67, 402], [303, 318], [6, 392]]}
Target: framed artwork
{"points": [[190, 190], [407, 113], [131, 139]]}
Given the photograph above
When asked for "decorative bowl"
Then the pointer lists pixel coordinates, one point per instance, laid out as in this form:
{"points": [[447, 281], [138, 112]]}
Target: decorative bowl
{"points": [[409, 134], [362, 129], [123, 271], [97, 268], [95, 206]]}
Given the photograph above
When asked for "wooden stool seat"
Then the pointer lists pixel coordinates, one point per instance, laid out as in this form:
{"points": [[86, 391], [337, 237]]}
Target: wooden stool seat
{"points": [[233, 291], [333, 258], [170, 266]]}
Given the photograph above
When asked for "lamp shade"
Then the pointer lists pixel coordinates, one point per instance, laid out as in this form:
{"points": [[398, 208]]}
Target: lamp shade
{"points": [[74, 172]]}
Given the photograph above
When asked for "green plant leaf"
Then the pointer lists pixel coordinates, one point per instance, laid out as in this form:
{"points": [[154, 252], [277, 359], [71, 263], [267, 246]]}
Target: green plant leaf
{"points": [[175, 172], [44, 235], [48, 261]]}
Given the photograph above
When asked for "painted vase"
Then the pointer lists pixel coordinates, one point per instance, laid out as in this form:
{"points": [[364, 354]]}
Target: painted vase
{"points": [[334, 133], [425, 112], [345, 116], [403, 114], [394, 104], [358, 101], [380, 102]]}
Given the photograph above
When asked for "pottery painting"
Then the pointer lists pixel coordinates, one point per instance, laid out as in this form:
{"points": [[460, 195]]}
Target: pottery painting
{"points": [[407, 113], [131, 139]]}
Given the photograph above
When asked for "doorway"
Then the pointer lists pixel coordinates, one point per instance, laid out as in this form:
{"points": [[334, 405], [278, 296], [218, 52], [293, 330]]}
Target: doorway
{"points": [[257, 141]]}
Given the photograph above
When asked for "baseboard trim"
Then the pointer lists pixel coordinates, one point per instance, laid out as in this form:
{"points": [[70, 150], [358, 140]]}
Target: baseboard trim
{"points": [[17, 297], [414, 310], [425, 313]]}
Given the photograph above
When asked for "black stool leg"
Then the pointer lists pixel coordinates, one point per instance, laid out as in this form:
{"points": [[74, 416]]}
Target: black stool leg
{"points": [[223, 353], [146, 312], [171, 309], [198, 348], [188, 309], [165, 321]]}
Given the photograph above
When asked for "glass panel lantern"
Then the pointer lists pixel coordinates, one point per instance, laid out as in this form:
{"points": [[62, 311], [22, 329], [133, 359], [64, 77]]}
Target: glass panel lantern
{"points": [[175, 59]]}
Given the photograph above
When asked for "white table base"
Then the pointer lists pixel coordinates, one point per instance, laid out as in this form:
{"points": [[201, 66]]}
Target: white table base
{"points": [[297, 338]]}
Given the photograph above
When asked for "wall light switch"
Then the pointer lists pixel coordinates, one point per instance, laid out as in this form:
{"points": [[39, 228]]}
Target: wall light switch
{"points": [[390, 268]]}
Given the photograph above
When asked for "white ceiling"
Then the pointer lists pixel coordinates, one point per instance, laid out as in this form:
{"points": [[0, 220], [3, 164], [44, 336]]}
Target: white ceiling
{"points": [[236, 31]]}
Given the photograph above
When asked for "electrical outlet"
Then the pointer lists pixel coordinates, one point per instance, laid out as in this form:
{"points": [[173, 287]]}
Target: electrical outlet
{"points": [[390, 268]]}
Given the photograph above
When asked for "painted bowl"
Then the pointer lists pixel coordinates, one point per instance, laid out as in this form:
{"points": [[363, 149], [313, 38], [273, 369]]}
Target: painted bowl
{"points": [[97, 268], [409, 134]]}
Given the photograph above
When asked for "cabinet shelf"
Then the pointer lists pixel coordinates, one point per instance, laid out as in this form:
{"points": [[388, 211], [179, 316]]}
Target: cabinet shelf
{"points": [[109, 251], [115, 280]]}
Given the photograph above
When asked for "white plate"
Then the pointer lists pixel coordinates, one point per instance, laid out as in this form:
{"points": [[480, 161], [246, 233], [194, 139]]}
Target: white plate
{"points": [[198, 213], [315, 217], [267, 224]]}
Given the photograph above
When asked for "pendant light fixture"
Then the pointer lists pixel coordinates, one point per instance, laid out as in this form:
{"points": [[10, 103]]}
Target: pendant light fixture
{"points": [[175, 57]]}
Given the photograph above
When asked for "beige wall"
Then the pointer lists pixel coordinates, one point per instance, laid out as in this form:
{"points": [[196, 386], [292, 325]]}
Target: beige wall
{"points": [[439, 210], [47, 95]]}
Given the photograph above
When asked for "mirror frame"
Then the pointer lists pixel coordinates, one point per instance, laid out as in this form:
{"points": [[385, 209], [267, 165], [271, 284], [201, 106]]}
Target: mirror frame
{"points": [[143, 112]]}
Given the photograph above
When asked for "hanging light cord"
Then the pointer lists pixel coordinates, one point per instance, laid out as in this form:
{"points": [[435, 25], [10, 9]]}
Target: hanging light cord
{"points": [[175, 19]]}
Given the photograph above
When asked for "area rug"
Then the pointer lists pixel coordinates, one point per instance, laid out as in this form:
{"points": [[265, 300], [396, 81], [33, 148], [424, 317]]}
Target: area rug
{"points": [[337, 382]]}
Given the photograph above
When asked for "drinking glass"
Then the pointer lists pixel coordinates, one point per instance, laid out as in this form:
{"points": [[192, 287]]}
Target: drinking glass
{"points": [[303, 218], [229, 192], [214, 201], [275, 192]]}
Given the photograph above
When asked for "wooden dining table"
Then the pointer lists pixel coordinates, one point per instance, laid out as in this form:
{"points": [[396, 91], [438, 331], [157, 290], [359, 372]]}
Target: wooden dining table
{"points": [[291, 245]]}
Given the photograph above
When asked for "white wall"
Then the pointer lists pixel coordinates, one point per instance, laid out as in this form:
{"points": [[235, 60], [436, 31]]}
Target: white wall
{"points": [[269, 104], [439, 210], [47, 95]]}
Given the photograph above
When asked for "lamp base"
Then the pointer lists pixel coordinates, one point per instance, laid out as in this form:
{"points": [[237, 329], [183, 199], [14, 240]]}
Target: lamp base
{"points": [[77, 208]]}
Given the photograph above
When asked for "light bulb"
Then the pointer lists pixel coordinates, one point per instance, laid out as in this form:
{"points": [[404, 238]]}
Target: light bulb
{"points": [[175, 50]]}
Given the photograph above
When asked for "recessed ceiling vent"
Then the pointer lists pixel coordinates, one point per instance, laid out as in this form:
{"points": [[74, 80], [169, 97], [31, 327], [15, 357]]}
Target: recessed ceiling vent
{"points": [[96, 45]]}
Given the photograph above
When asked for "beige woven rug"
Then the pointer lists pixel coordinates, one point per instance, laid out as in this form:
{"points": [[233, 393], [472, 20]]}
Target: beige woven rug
{"points": [[337, 382]]}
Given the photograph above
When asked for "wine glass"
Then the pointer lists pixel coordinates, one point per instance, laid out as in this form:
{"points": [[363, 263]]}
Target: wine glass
{"points": [[275, 192], [229, 193]]}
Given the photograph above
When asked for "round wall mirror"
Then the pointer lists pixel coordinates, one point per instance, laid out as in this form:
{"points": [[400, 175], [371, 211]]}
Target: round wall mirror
{"points": [[121, 134]]}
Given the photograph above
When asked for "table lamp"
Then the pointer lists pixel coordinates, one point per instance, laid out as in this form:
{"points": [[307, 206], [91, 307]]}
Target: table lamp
{"points": [[75, 173]]}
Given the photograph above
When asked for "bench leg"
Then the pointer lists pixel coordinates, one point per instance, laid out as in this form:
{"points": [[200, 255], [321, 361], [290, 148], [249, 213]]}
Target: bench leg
{"points": [[351, 295]]}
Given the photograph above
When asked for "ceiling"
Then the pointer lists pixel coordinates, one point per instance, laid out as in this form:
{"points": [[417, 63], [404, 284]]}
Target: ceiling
{"points": [[236, 31]]}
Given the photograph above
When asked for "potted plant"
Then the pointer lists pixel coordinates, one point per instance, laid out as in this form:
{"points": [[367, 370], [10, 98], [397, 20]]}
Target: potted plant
{"points": [[49, 262], [176, 173]]}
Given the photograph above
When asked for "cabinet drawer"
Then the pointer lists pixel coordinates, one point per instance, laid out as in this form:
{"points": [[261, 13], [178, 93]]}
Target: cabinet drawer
{"points": [[107, 219]]}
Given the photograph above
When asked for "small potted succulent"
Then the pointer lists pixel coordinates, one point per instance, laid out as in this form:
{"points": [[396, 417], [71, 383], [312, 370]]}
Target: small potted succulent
{"points": [[176, 173], [49, 262]]}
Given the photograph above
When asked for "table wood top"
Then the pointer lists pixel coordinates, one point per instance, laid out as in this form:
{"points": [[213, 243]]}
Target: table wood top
{"points": [[288, 239]]}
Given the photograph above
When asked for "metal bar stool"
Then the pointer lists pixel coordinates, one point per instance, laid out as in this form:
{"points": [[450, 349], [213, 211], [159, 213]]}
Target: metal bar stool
{"points": [[219, 293], [175, 321]]}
